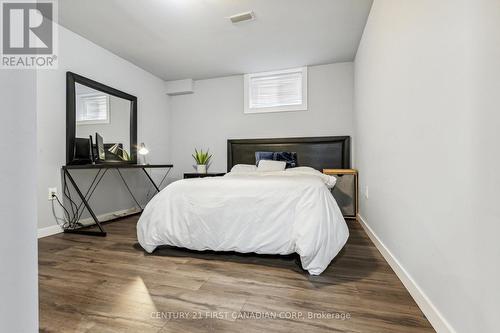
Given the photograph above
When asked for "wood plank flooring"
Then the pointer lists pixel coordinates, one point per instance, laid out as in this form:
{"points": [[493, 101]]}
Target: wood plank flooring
{"points": [[92, 284]]}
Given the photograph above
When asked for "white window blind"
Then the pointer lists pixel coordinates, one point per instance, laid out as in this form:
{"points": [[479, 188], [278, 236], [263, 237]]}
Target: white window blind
{"points": [[276, 91], [93, 109]]}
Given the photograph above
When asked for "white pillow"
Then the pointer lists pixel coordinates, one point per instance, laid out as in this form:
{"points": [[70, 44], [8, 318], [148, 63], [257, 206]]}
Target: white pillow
{"points": [[304, 170], [329, 181], [241, 168], [268, 165]]}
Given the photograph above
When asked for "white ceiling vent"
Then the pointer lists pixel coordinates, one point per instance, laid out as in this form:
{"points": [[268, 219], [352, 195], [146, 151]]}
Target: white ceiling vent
{"points": [[247, 16]]}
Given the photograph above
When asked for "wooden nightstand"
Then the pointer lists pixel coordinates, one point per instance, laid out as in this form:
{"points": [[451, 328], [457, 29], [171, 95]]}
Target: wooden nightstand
{"points": [[202, 175], [345, 191]]}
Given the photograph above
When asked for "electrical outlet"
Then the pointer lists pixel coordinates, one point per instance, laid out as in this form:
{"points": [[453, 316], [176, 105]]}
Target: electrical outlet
{"points": [[366, 192], [52, 192]]}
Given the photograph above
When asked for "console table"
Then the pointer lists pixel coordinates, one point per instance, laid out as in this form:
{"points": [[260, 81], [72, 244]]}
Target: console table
{"points": [[102, 169]]}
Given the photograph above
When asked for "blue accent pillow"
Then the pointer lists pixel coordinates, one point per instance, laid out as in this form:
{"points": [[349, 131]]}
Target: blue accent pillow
{"points": [[263, 155], [283, 156]]}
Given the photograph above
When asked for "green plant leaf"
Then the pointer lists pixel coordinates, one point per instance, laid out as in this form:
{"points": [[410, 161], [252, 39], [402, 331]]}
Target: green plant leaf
{"points": [[201, 157]]}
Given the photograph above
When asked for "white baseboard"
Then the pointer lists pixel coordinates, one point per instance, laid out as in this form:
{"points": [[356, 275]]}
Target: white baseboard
{"points": [[110, 216], [56, 229], [440, 324], [49, 231]]}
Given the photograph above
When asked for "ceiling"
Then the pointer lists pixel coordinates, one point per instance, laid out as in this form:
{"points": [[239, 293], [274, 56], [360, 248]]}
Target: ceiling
{"points": [[179, 39]]}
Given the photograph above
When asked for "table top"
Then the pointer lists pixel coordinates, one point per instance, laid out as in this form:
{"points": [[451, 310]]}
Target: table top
{"points": [[205, 173], [117, 165]]}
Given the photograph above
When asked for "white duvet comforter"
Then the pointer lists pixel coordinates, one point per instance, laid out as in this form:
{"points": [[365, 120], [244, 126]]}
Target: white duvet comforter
{"points": [[269, 213]]}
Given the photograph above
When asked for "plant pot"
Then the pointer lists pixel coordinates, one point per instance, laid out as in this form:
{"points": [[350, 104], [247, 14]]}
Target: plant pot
{"points": [[201, 168]]}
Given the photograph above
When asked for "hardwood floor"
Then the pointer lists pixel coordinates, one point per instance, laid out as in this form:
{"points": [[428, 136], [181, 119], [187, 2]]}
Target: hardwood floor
{"points": [[92, 284]]}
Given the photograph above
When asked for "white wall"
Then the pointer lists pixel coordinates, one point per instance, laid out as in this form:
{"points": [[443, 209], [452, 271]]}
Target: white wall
{"points": [[18, 245], [79, 55], [481, 282], [214, 113], [426, 113]]}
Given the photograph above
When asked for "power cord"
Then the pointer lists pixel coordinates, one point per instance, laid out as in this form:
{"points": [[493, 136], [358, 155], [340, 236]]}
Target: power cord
{"points": [[68, 221], [62, 222], [73, 205]]}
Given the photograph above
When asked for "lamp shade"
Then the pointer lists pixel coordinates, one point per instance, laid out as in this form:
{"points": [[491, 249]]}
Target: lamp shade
{"points": [[143, 150]]}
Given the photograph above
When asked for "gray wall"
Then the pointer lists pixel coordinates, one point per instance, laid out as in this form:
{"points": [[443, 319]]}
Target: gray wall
{"points": [[81, 56], [18, 244], [214, 113], [427, 107]]}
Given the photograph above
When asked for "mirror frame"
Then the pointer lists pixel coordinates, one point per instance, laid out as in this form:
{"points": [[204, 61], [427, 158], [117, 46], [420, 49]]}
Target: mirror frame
{"points": [[71, 80]]}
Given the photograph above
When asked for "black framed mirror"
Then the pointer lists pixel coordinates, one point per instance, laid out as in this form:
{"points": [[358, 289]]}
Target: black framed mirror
{"points": [[101, 123]]}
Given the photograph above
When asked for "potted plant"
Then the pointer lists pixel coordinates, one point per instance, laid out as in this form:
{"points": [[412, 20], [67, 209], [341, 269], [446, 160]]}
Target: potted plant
{"points": [[202, 159]]}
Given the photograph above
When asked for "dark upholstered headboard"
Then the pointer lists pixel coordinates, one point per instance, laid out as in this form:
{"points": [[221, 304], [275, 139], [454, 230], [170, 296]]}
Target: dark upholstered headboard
{"points": [[328, 152]]}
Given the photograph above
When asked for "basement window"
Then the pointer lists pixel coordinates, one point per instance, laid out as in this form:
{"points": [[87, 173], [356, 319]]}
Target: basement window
{"points": [[92, 109], [276, 91]]}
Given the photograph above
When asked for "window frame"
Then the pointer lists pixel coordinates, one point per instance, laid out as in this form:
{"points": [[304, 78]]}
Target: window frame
{"points": [[81, 103], [283, 108]]}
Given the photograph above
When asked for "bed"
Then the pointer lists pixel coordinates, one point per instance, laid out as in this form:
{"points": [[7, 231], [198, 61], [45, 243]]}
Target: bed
{"points": [[277, 212]]}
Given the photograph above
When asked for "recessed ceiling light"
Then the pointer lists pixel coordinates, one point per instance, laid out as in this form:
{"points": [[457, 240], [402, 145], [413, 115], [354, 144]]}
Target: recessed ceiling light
{"points": [[247, 16]]}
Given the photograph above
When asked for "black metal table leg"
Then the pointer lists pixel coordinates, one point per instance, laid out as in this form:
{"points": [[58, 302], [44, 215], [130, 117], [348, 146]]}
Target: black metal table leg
{"points": [[85, 198], [101, 233], [151, 180], [129, 190], [90, 191]]}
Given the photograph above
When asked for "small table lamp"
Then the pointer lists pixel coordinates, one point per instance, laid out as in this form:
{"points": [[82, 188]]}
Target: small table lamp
{"points": [[143, 151]]}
